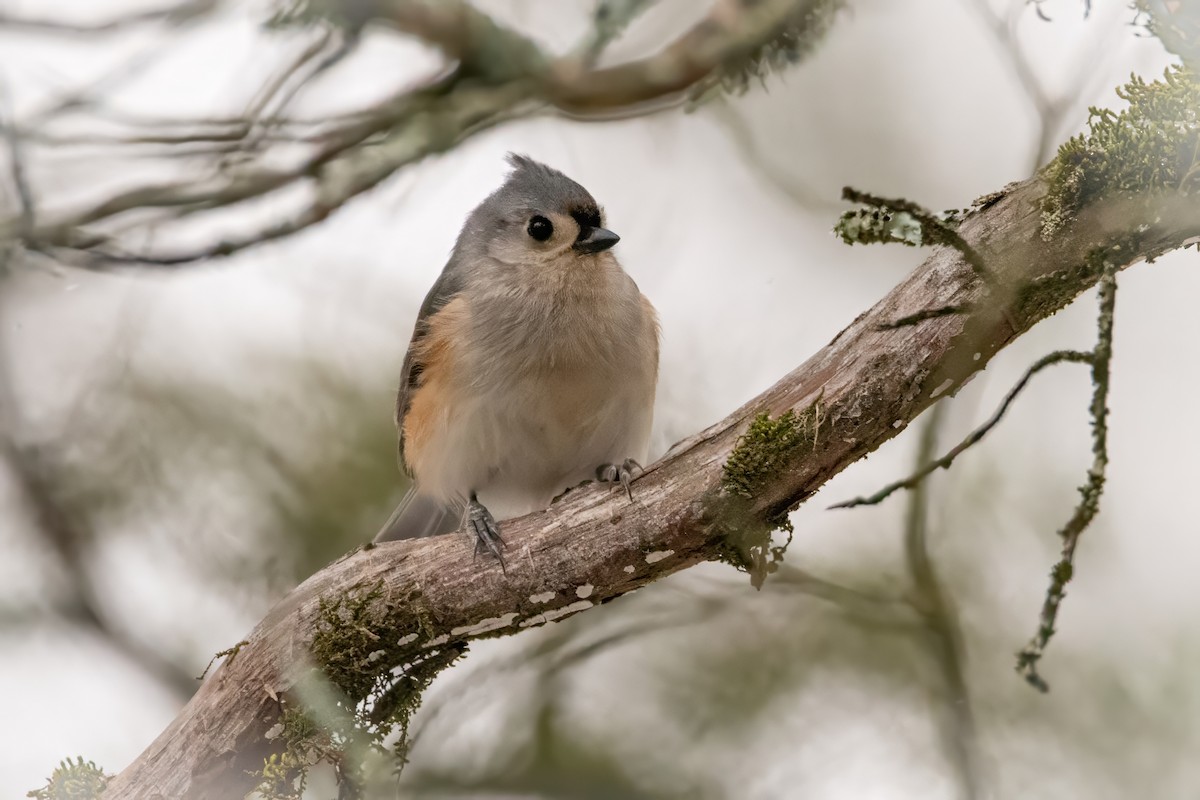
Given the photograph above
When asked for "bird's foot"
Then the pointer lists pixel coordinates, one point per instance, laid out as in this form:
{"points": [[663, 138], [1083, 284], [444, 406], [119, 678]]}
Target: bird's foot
{"points": [[623, 474], [484, 527]]}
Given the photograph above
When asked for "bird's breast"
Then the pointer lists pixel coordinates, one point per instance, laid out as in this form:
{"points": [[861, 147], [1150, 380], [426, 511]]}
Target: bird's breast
{"points": [[551, 386]]}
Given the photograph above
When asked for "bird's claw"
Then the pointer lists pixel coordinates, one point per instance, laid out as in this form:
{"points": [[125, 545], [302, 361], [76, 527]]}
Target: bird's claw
{"points": [[486, 531], [623, 474]]}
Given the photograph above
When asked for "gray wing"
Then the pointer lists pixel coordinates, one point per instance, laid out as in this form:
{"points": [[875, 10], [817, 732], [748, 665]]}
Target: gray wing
{"points": [[448, 284], [418, 516]]}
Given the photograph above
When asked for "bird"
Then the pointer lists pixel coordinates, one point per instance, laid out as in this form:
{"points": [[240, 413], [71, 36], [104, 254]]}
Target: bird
{"points": [[532, 368]]}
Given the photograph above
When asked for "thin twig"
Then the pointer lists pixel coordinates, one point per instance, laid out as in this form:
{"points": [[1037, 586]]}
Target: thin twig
{"points": [[171, 142], [252, 183], [356, 171], [1093, 487], [1057, 357], [274, 92]]}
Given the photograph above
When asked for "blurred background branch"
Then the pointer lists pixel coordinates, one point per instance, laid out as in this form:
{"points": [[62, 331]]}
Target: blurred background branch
{"points": [[79, 601], [493, 75], [1051, 111], [929, 597]]}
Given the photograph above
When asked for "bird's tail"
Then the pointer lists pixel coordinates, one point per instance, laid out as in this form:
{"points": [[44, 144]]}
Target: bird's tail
{"points": [[417, 516]]}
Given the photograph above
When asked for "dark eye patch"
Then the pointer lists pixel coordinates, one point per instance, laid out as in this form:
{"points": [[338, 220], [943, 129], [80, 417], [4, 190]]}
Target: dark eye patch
{"points": [[586, 216]]}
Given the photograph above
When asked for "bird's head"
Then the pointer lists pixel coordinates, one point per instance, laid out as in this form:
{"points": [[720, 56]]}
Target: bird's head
{"points": [[538, 216]]}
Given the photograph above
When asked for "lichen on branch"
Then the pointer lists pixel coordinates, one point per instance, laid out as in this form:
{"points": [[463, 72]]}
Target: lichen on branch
{"points": [[879, 225], [885, 220]]}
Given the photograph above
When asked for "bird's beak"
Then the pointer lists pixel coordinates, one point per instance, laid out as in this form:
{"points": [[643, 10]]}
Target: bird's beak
{"points": [[596, 240]]}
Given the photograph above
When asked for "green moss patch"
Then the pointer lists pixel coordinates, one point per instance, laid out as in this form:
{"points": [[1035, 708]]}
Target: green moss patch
{"points": [[1150, 147], [768, 447], [354, 709], [73, 780]]}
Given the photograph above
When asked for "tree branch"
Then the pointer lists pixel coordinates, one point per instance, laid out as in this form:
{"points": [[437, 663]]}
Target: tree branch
{"points": [[431, 596]]}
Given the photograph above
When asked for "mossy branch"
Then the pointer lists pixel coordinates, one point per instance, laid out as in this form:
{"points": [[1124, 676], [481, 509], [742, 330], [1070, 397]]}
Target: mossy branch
{"points": [[770, 445]]}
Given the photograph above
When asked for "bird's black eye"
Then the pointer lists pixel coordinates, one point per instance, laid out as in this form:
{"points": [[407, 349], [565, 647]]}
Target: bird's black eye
{"points": [[540, 228]]}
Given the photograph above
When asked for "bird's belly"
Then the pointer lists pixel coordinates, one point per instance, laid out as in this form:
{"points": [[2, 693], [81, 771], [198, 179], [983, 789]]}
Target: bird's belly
{"points": [[519, 445]]}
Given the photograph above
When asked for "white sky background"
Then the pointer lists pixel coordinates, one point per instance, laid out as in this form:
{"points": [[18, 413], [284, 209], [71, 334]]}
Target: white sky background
{"points": [[912, 99]]}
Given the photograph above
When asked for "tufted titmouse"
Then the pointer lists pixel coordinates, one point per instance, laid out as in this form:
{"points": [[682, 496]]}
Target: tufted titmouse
{"points": [[532, 367]]}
